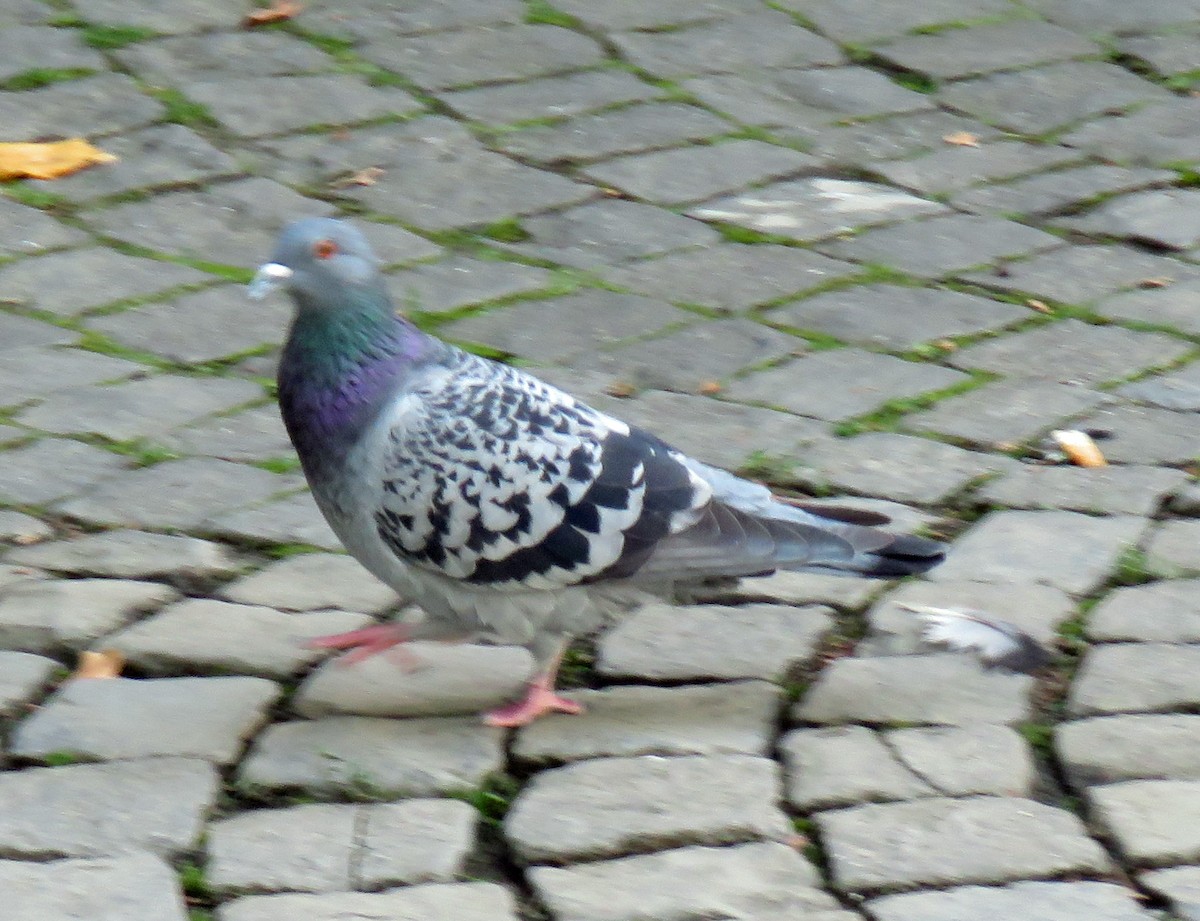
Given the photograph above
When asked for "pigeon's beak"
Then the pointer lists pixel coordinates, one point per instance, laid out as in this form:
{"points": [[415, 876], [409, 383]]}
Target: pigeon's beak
{"points": [[268, 277]]}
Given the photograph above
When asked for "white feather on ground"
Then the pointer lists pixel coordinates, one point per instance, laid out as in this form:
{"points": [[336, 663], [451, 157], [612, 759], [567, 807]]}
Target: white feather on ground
{"points": [[997, 643]]}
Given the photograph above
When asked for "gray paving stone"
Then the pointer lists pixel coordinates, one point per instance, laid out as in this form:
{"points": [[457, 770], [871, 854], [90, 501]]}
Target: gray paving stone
{"points": [[414, 757], [157, 156], [1160, 217], [252, 435], [1187, 501], [764, 39], [1167, 54], [950, 169], [696, 173], [139, 887], [103, 104], [1005, 412], [895, 317], [70, 614], [292, 520], [1038, 100], [416, 841], [1145, 435], [954, 841], [1067, 550], [458, 282], [616, 806], [758, 880], [733, 277], [694, 356], [859, 20], [1157, 135], [794, 588], [551, 97], [21, 529], [941, 689], [175, 494], [233, 223], [1051, 901], [249, 106], [616, 131], [560, 328], [1036, 609], [837, 384], [1179, 391], [1059, 190], [489, 55], [461, 901], [825, 768], [52, 468], [1161, 306], [188, 16], [28, 231], [1111, 16], [863, 143], [956, 53], [810, 209], [1173, 547], [619, 14], [68, 284], [445, 680], [854, 92], [204, 634], [22, 678], [132, 555], [24, 48], [1104, 749], [1105, 490], [23, 332], [1154, 822], [1080, 274], [1136, 678], [31, 372], [188, 59], [25, 12], [958, 761], [899, 467], [369, 18], [1166, 612], [712, 719], [942, 246], [121, 718], [661, 641], [610, 231], [1071, 350], [1180, 886], [199, 327], [313, 581], [100, 810]]}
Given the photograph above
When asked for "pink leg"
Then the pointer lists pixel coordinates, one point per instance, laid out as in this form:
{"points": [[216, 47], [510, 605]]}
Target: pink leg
{"points": [[367, 642], [539, 700]]}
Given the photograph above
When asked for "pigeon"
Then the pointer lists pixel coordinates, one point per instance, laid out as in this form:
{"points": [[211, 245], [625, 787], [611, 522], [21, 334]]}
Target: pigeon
{"points": [[997, 643], [507, 510]]}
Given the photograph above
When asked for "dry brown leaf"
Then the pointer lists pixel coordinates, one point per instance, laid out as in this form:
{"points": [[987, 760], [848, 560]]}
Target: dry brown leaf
{"points": [[107, 663], [1039, 306], [49, 159], [24, 540], [620, 389], [1079, 447], [1160, 282], [946, 345], [368, 176], [278, 11], [961, 139], [710, 388]]}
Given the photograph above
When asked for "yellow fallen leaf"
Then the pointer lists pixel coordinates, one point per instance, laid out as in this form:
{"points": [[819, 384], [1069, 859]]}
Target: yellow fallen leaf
{"points": [[49, 159], [622, 390], [368, 176], [961, 139], [1039, 306], [1158, 282], [1079, 447], [107, 663], [710, 388], [277, 12]]}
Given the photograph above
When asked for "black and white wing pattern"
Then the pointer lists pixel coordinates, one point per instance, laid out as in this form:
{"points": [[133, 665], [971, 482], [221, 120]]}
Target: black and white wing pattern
{"points": [[997, 643], [495, 478]]}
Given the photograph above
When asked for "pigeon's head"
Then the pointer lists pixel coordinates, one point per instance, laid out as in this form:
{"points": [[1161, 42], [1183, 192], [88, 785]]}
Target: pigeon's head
{"points": [[317, 259]]}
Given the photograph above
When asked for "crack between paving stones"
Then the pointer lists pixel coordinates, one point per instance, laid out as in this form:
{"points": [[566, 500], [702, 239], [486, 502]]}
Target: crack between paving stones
{"points": [[358, 847]]}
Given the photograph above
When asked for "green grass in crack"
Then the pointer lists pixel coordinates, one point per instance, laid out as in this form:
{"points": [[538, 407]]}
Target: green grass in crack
{"points": [[1133, 568], [887, 417], [43, 76], [34, 197], [181, 110], [918, 83], [110, 38], [508, 230], [539, 12], [144, 453], [493, 799]]}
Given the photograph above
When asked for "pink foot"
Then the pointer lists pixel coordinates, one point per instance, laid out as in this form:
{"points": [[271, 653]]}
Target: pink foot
{"points": [[538, 701], [367, 642]]}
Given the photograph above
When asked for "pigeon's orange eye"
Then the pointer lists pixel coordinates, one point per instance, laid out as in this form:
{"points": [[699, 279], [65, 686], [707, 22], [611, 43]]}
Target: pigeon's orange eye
{"points": [[324, 249]]}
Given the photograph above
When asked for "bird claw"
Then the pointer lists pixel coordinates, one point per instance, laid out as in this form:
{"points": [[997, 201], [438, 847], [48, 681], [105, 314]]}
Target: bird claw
{"points": [[539, 701], [370, 641]]}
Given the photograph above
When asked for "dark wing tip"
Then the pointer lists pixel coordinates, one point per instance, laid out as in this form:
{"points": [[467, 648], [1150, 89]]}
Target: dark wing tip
{"points": [[906, 555]]}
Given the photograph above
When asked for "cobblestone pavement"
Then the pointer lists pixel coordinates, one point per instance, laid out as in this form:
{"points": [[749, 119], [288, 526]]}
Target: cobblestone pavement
{"points": [[848, 246]]}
